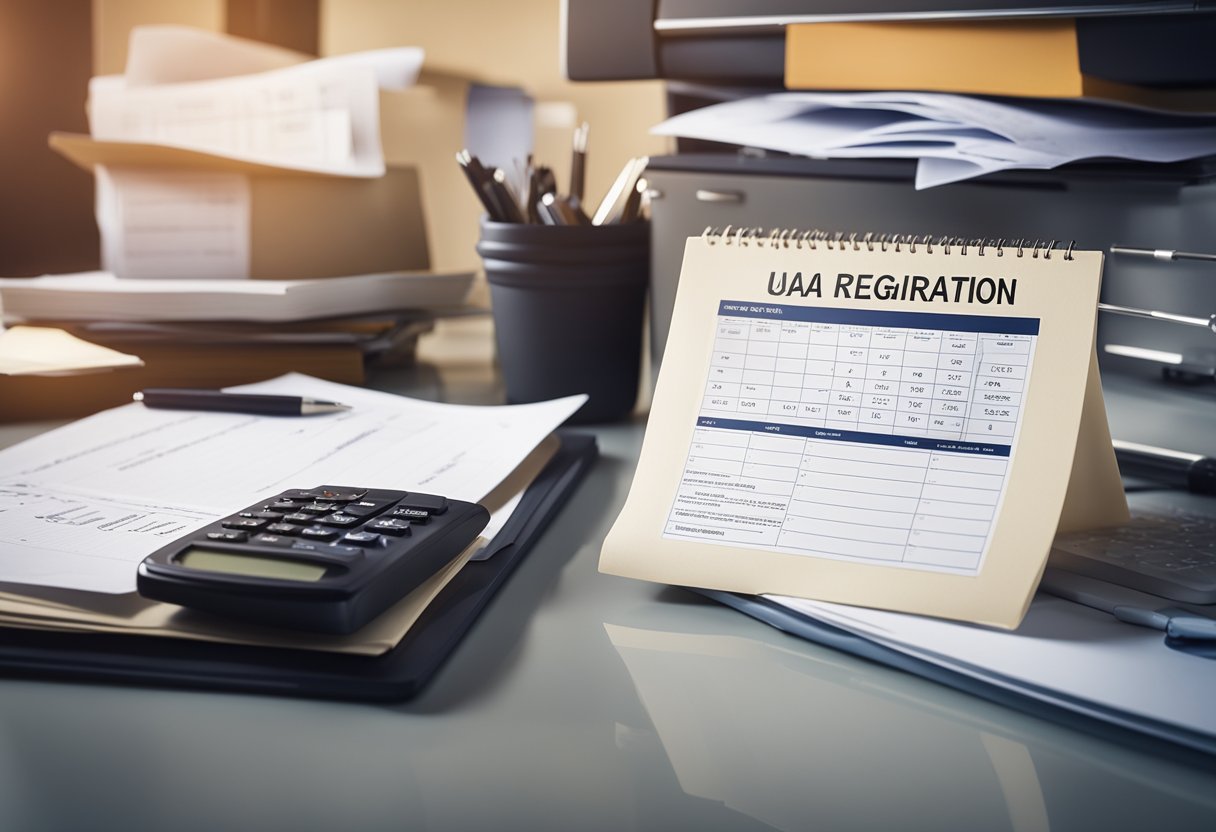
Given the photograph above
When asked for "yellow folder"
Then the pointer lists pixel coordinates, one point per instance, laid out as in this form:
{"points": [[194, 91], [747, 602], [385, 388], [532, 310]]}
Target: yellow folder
{"points": [[1033, 58]]}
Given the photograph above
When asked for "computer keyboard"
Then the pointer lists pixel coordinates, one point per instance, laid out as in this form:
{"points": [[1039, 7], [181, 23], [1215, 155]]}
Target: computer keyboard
{"points": [[1171, 554]]}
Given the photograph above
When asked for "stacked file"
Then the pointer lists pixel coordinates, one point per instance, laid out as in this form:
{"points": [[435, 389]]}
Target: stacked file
{"points": [[953, 137], [970, 97], [205, 174], [218, 160], [1064, 58], [1065, 660], [216, 333], [81, 506]]}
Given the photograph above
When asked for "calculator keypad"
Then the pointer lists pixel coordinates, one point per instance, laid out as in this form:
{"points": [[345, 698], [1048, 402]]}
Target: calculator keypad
{"points": [[332, 521]]}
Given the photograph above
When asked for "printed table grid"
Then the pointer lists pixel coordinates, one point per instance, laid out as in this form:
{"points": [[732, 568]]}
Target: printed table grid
{"points": [[897, 380], [885, 442]]}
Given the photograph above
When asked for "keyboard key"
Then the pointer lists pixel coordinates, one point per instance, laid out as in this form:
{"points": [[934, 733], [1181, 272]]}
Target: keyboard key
{"points": [[390, 525], [283, 528], [249, 524], [365, 508], [362, 538], [341, 520], [272, 516], [335, 496], [301, 494], [318, 508], [281, 506], [325, 548], [417, 515], [298, 517], [228, 537], [430, 503], [271, 540], [318, 533]]}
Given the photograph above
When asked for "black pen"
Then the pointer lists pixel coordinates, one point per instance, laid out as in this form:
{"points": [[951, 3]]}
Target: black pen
{"points": [[506, 195], [578, 162], [478, 177], [170, 398], [559, 210], [1162, 253], [546, 181]]}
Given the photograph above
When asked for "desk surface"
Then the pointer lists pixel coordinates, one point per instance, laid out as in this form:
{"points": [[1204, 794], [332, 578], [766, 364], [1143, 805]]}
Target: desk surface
{"points": [[583, 701]]}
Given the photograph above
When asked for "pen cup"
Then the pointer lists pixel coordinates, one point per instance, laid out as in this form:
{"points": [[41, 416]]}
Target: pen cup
{"points": [[568, 304]]}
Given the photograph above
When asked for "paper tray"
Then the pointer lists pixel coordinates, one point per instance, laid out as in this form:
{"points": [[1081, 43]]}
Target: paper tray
{"points": [[397, 675]]}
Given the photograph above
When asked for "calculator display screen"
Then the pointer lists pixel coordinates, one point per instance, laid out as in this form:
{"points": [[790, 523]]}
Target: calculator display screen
{"points": [[234, 563]]}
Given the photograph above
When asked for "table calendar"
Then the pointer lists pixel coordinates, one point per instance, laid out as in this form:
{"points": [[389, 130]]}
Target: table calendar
{"points": [[900, 424]]}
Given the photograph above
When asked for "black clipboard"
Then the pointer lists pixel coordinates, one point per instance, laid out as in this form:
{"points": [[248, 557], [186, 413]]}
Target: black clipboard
{"points": [[394, 676]]}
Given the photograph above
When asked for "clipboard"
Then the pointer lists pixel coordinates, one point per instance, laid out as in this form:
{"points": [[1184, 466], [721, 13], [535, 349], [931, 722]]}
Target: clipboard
{"points": [[395, 676]]}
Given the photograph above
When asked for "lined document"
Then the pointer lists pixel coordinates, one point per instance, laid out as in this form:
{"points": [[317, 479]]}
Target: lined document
{"points": [[81, 506]]}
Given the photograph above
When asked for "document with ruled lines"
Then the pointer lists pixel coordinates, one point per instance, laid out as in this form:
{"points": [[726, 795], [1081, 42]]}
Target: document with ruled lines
{"points": [[895, 429]]}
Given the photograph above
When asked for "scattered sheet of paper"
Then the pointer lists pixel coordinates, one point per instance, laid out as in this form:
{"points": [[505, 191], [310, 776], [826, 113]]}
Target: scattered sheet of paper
{"points": [[315, 117], [954, 137], [1062, 653], [82, 505], [181, 54], [37, 350], [173, 223]]}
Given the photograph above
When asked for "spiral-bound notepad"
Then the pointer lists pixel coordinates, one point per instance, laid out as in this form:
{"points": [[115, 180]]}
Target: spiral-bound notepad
{"points": [[887, 421]]}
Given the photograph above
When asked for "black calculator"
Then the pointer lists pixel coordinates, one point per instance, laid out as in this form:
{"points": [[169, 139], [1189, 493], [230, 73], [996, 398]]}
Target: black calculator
{"points": [[325, 559]]}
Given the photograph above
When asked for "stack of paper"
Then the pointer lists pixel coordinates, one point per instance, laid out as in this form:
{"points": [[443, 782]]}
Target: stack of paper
{"points": [[101, 296], [81, 506], [1063, 654], [954, 137], [213, 333]]}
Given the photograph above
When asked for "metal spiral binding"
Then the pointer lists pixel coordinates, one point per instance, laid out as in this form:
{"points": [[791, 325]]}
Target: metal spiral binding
{"points": [[782, 238]]}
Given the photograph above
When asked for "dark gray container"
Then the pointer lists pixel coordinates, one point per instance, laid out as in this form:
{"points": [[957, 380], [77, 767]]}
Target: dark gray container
{"points": [[568, 304]]}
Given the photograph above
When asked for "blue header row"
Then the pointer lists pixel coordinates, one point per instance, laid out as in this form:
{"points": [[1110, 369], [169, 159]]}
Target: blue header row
{"points": [[867, 317], [923, 443]]}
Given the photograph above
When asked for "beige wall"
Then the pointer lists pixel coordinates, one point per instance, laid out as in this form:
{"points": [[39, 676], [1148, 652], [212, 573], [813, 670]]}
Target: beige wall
{"points": [[113, 20], [516, 42]]}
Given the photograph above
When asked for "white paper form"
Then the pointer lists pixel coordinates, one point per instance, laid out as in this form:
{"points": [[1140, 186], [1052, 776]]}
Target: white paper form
{"points": [[82, 505], [877, 437], [314, 117], [1062, 653], [173, 223]]}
